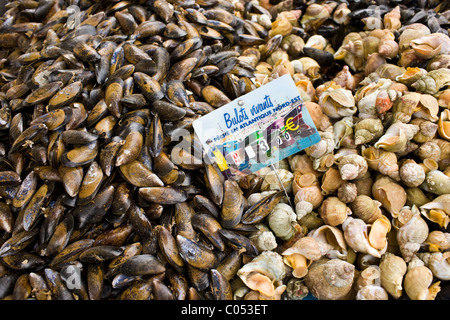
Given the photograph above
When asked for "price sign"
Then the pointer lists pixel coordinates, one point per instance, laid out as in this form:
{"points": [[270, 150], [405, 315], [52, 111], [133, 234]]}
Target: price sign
{"points": [[257, 129]]}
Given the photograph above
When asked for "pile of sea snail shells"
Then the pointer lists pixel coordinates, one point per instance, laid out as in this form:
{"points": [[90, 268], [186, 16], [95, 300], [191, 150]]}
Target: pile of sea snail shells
{"points": [[89, 181]]}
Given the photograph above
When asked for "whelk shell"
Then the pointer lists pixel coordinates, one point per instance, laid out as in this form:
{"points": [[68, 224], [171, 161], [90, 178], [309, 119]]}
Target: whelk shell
{"points": [[382, 161], [365, 208], [262, 272], [397, 136], [438, 210], [359, 237], [282, 221], [444, 124], [352, 166], [438, 263], [390, 194], [418, 284], [331, 279], [438, 241], [411, 173], [392, 270], [411, 236], [333, 211], [300, 256]]}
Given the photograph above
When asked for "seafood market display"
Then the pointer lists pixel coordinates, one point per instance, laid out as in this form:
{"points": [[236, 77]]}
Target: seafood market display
{"points": [[101, 199]]}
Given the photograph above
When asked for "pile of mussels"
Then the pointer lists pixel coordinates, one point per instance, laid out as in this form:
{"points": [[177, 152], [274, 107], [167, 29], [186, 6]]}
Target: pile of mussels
{"points": [[99, 201]]}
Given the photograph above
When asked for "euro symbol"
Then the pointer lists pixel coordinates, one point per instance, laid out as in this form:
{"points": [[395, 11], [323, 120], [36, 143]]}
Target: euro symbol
{"points": [[289, 125]]}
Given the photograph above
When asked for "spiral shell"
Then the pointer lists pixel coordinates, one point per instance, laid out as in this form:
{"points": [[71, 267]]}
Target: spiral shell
{"points": [[438, 263], [352, 166], [333, 211], [429, 150], [433, 81], [390, 194], [301, 163], [411, 173], [302, 208], [368, 285], [311, 194], [411, 75], [343, 132], [438, 241], [264, 239], [331, 241], [397, 136], [303, 180], [418, 284], [282, 220], [438, 210], [411, 236], [392, 270], [365, 208], [427, 108], [431, 45], [367, 130], [388, 47], [357, 236], [436, 182], [331, 279], [321, 120], [443, 97], [427, 130], [307, 66], [262, 272], [316, 41], [340, 14], [325, 146], [405, 106], [391, 19], [382, 161], [300, 256], [281, 26], [331, 181], [271, 181], [337, 102], [347, 192]]}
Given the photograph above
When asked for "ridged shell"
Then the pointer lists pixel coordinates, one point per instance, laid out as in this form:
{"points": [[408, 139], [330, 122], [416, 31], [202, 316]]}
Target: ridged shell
{"points": [[396, 137], [411, 236], [337, 103], [333, 211], [262, 272], [418, 284], [438, 263], [281, 221], [352, 166], [392, 270], [312, 194], [385, 162], [331, 279], [300, 256], [365, 208], [411, 173], [367, 130]]}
